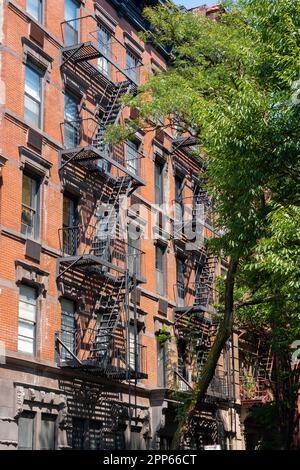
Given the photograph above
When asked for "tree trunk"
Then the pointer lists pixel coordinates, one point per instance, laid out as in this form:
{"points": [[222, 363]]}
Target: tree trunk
{"points": [[224, 333]]}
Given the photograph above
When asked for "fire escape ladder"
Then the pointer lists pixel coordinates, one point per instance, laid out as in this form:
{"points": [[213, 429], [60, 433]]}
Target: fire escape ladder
{"points": [[109, 322], [112, 112], [204, 288]]}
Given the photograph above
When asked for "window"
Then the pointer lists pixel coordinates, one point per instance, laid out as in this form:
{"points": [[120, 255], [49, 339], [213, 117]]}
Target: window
{"points": [[33, 96], [134, 258], [78, 433], [35, 9], [68, 327], [179, 205], [30, 220], [70, 225], [72, 121], [180, 280], [132, 351], [25, 431], [132, 66], [104, 44], [183, 369], [160, 269], [178, 189], [95, 435], [47, 434], [161, 365], [72, 24], [70, 211], [132, 156], [198, 284], [159, 183], [27, 319], [136, 439]]}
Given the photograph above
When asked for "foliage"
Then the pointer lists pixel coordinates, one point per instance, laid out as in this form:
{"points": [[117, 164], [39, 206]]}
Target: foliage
{"points": [[163, 335]]}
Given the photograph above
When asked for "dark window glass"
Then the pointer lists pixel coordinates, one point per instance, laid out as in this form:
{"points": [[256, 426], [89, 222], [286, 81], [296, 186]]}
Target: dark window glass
{"points": [[25, 431], [78, 433], [47, 435], [70, 225], [159, 183], [161, 365], [68, 327], [134, 259], [180, 278], [72, 121], [95, 435]]}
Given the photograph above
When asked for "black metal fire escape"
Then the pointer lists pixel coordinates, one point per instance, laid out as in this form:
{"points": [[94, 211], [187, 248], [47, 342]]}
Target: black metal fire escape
{"points": [[97, 249], [193, 313]]}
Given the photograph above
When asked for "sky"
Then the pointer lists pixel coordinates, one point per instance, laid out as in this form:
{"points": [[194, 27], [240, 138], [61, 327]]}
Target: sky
{"points": [[194, 3]]}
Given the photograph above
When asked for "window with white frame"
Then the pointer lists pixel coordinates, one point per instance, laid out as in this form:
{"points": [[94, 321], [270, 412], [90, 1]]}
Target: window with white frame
{"points": [[35, 9], [30, 220], [33, 95], [71, 33], [27, 319], [160, 261], [132, 148], [68, 327]]}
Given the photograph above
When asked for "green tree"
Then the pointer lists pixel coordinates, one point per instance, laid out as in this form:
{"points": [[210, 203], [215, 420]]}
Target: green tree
{"points": [[232, 84]]}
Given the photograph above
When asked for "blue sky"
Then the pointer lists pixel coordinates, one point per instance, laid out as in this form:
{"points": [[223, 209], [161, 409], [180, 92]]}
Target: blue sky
{"points": [[194, 3]]}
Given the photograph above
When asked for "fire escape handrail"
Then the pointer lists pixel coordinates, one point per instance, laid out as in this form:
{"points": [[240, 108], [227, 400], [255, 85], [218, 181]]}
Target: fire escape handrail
{"points": [[98, 48]]}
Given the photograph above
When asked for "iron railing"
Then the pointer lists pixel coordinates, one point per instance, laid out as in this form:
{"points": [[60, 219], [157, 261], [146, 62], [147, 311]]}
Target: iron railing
{"points": [[83, 240], [218, 388], [85, 133], [194, 294], [193, 219], [84, 41], [107, 353]]}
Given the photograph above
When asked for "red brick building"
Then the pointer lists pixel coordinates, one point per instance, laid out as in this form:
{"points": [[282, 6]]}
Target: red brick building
{"points": [[99, 283]]}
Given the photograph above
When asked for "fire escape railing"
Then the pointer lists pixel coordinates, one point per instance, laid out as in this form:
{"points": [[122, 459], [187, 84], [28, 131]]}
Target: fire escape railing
{"points": [[85, 47], [84, 348], [83, 240], [84, 147]]}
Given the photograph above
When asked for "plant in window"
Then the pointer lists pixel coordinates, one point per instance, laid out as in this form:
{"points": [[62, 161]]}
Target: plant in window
{"points": [[163, 335]]}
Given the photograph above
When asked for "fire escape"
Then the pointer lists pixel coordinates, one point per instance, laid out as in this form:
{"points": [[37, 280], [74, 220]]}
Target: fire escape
{"points": [[194, 311], [256, 366], [95, 252]]}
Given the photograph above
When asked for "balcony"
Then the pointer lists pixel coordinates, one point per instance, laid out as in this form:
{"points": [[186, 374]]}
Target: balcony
{"points": [[98, 58], [105, 355], [218, 389], [86, 247], [85, 147]]}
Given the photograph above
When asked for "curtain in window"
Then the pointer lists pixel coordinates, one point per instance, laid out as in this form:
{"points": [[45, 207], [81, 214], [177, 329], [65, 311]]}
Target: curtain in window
{"points": [[27, 319]]}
